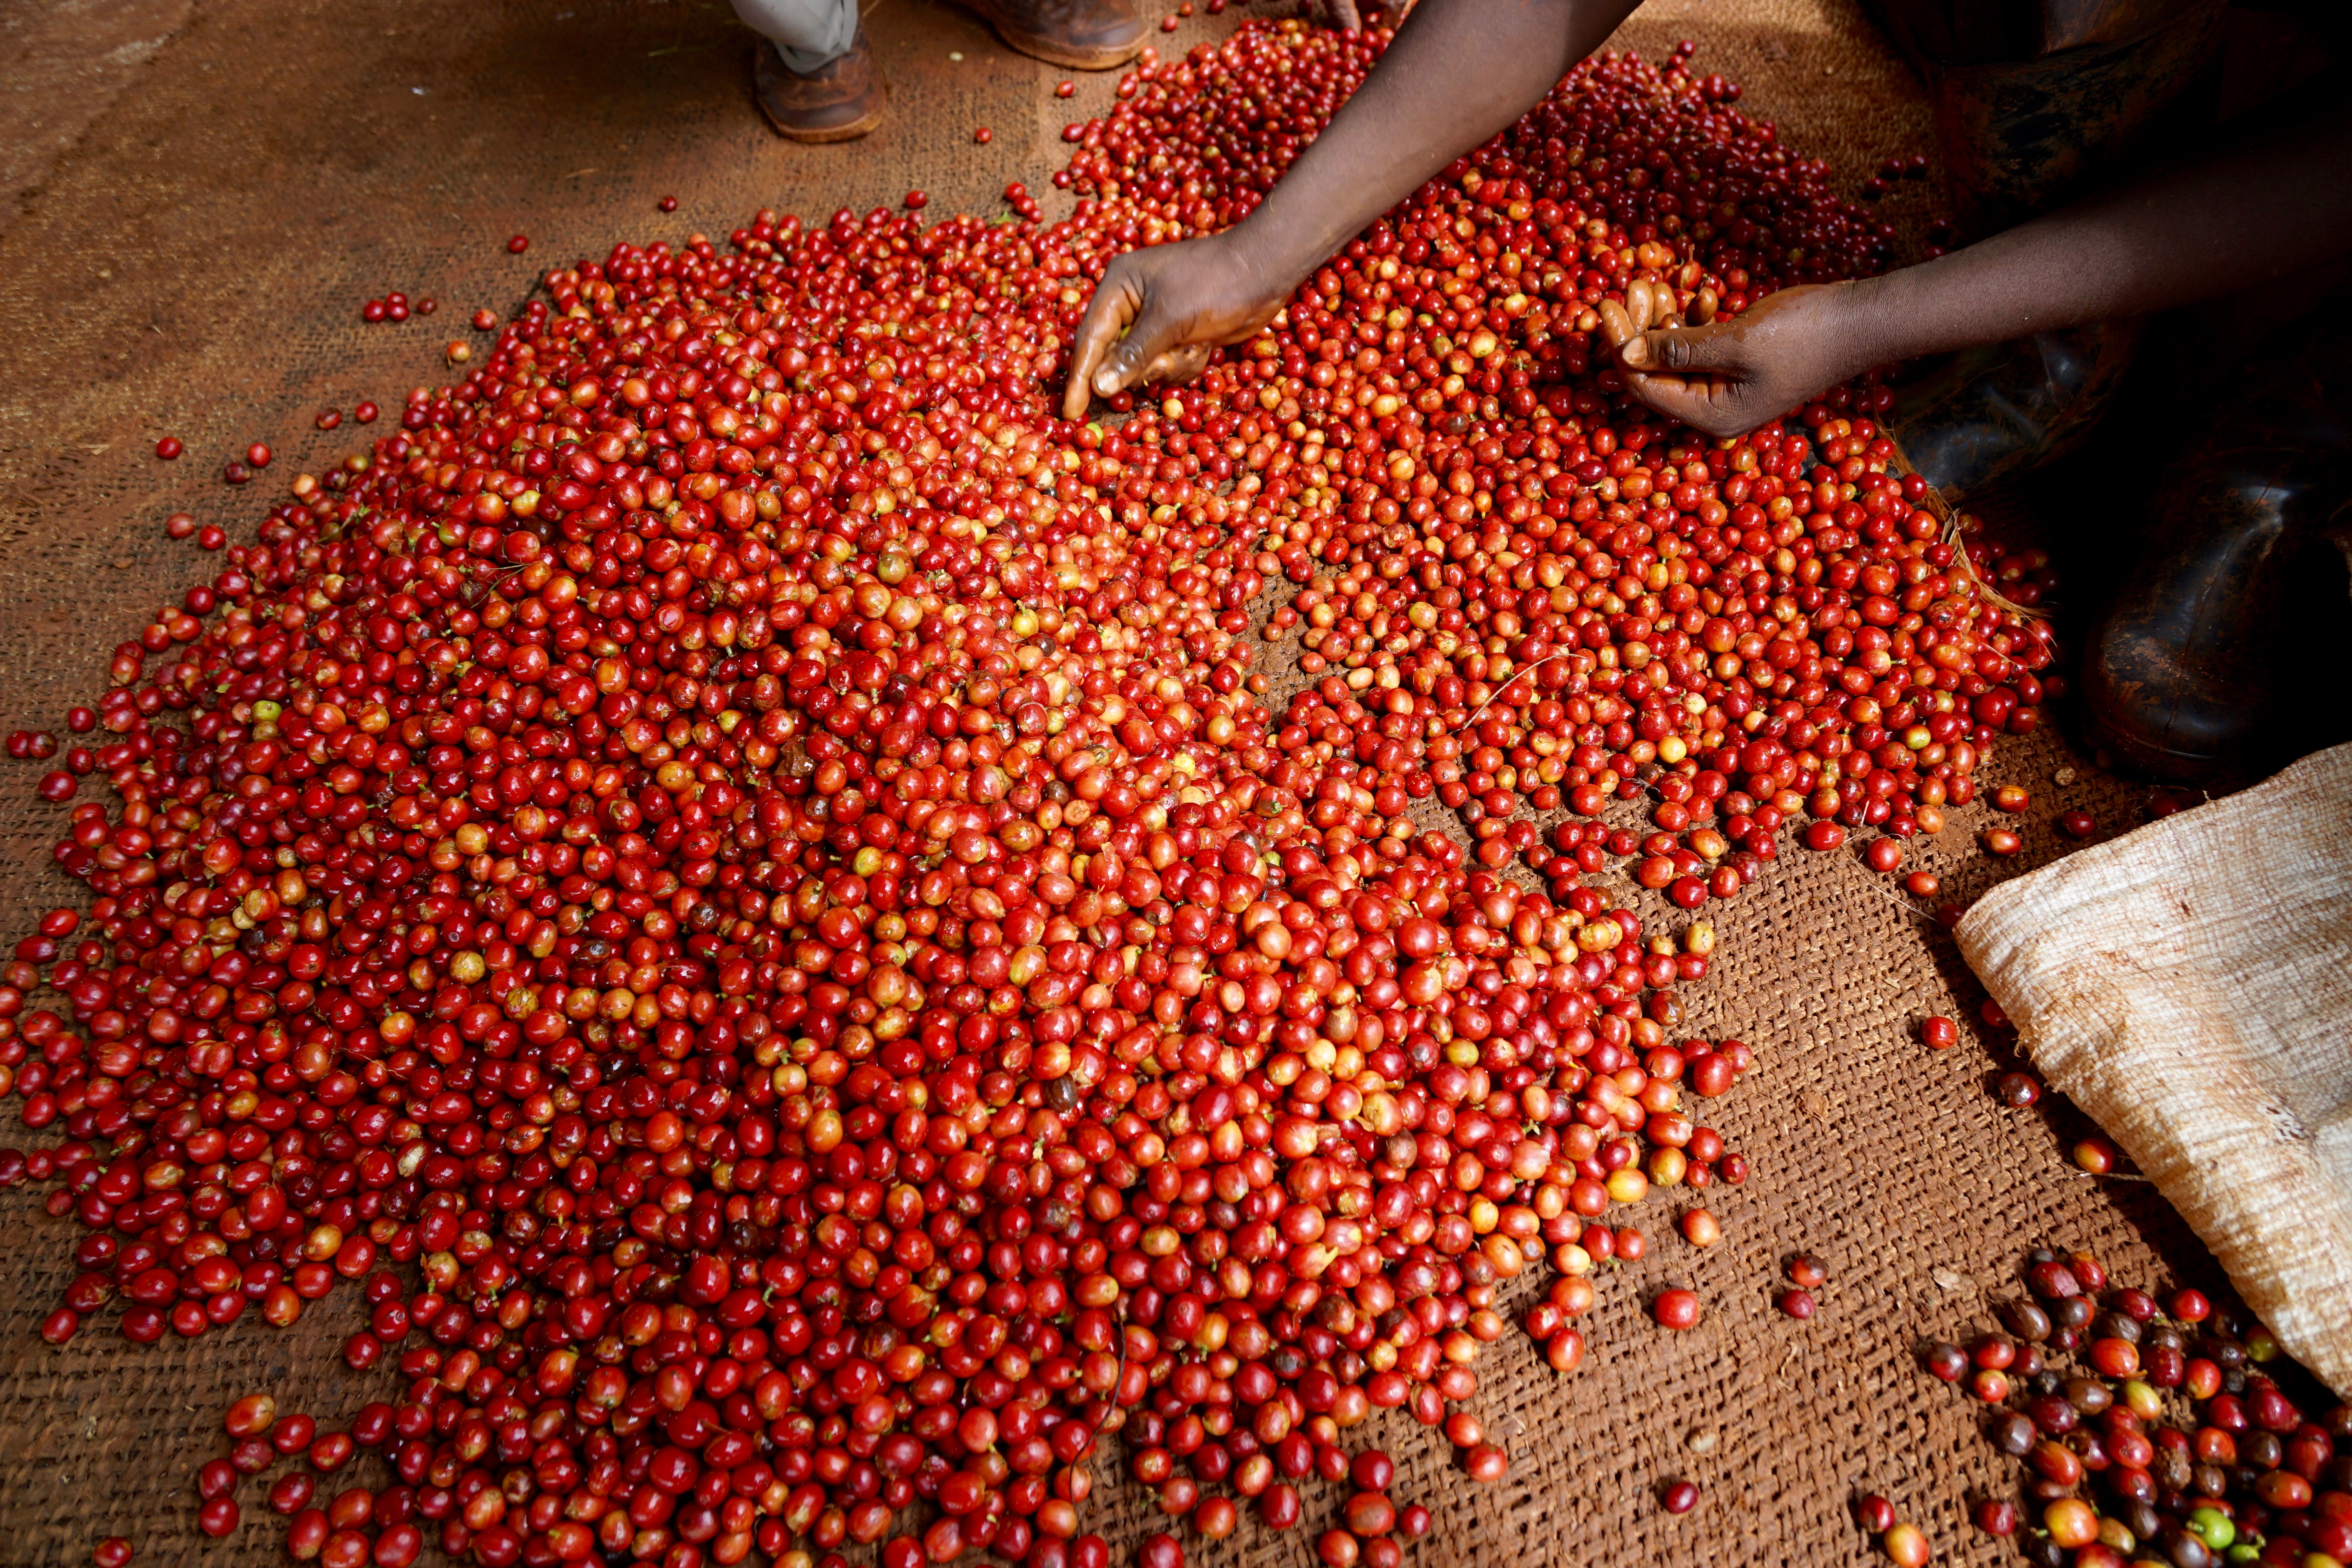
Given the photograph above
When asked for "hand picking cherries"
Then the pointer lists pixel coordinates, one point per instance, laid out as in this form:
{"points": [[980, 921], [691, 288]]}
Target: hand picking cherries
{"points": [[734, 872]]}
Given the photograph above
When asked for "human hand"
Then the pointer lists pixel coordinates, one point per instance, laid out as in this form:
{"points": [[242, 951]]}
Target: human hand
{"points": [[1726, 378], [1176, 303]]}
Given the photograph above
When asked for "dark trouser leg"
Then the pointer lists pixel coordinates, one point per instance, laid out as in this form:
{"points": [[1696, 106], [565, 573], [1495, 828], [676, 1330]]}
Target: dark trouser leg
{"points": [[2035, 105]]}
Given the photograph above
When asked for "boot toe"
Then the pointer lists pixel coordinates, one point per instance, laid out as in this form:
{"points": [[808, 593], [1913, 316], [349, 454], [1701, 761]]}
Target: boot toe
{"points": [[1085, 35], [2204, 667], [2151, 713]]}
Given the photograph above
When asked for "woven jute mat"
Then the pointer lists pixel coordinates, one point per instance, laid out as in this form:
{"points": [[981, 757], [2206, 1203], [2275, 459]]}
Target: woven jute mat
{"points": [[203, 195]]}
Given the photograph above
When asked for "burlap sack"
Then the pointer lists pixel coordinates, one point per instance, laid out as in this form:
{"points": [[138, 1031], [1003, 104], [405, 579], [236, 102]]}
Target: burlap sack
{"points": [[2190, 985]]}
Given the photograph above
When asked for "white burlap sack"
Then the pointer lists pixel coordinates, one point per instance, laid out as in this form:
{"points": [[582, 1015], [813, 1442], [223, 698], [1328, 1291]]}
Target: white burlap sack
{"points": [[2190, 986]]}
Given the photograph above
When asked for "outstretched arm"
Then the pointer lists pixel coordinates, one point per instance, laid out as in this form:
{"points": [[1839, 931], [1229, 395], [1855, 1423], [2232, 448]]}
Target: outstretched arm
{"points": [[1459, 71], [2272, 202]]}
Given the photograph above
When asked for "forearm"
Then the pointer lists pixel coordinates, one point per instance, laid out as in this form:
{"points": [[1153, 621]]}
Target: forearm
{"points": [[2270, 205], [1459, 71]]}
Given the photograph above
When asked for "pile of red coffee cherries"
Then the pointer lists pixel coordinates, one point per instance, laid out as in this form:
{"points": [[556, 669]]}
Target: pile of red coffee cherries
{"points": [[737, 877]]}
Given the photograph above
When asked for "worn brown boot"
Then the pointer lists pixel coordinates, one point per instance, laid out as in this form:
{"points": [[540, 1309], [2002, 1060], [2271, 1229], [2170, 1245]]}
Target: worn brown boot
{"points": [[1989, 411], [2210, 666], [838, 102], [1085, 35]]}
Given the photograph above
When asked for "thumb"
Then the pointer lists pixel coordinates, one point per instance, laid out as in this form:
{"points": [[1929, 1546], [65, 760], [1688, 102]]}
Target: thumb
{"points": [[1680, 349]]}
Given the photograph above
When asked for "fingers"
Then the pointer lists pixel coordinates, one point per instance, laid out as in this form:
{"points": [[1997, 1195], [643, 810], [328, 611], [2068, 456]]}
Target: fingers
{"points": [[1344, 13], [1181, 363], [1684, 349], [1131, 333], [1675, 398], [1668, 394], [1616, 326], [1150, 333], [1648, 304], [1104, 363], [1115, 304], [1703, 403]]}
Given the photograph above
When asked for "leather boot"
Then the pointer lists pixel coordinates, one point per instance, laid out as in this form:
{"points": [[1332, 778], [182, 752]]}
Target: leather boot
{"points": [[2216, 660], [2035, 101], [840, 102], [1995, 409], [1084, 35]]}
